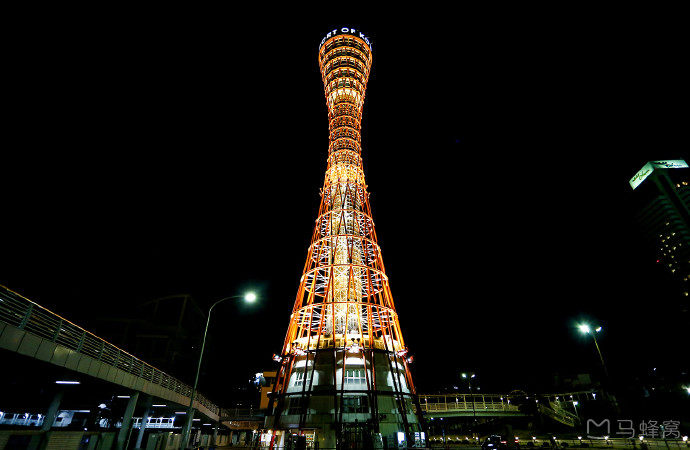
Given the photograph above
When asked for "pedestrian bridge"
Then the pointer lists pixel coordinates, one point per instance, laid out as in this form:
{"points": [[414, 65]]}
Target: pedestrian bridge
{"points": [[29, 329], [468, 405], [559, 407]]}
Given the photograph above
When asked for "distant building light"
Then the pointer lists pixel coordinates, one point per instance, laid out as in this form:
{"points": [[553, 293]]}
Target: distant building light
{"points": [[123, 396], [180, 412], [67, 382]]}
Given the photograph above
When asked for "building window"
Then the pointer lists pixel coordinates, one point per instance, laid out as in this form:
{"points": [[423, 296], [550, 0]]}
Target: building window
{"points": [[295, 406], [355, 376], [355, 404], [300, 379]]}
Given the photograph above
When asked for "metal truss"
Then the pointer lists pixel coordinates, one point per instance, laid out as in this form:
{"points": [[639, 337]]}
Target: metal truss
{"points": [[344, 304]]}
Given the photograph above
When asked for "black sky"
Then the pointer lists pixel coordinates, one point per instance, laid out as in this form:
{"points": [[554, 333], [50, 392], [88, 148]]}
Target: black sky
{"points": [[184, 154]]}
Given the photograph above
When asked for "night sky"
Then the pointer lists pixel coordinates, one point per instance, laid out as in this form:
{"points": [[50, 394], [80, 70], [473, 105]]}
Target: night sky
{"points": [[161, 155]]}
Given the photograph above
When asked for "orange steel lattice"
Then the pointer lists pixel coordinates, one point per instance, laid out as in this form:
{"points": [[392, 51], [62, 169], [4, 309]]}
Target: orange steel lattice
{"points": [[344, 304]]}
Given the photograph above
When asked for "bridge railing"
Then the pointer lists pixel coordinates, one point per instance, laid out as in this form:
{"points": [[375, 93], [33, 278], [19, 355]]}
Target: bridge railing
{"points": [[31, 317], [466, 402]]}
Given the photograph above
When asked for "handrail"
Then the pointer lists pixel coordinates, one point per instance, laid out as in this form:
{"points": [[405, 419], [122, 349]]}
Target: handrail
{"points": [[465, 402], [19, 311]]}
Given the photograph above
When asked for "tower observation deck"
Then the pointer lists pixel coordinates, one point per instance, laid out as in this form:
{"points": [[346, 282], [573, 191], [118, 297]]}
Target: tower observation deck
{"points": [[344, 378]]}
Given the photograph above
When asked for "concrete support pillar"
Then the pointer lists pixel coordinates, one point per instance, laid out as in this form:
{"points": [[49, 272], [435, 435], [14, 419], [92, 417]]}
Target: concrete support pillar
{"points": [[52, 411], [122, 435], [214, 439], [144, 420], [38, 441]]}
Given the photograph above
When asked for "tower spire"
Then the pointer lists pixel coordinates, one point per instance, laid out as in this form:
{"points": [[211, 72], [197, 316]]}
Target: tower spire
{"points": [[343, 368]]}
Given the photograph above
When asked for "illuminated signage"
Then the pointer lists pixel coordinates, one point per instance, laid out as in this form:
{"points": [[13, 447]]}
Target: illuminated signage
{"points": [[641, 175], [648, 168], [674, 164], [345, 30]]}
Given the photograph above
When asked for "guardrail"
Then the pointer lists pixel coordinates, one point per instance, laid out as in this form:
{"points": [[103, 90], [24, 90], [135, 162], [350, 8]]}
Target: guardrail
{"points": [[31, 317], [466, 403]]}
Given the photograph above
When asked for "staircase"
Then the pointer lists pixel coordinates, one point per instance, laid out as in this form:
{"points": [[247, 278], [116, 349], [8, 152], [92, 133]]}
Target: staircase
{"points": [[557, 413]]}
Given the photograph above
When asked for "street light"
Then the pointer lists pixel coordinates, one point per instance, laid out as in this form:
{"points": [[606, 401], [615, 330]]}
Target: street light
{"points": [[469, 377], [249, 297], [585, 329]]}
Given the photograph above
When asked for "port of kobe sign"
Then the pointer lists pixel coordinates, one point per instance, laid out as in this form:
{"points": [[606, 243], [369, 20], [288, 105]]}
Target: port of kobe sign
{"points": [[345, 30]]}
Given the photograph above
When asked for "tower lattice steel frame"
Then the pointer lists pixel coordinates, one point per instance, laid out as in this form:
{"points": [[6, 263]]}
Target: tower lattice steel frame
{"points": [[344, 354]]}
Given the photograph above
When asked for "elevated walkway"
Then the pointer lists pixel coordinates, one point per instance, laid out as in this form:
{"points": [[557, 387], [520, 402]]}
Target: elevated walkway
{"points": [[555, 406], [29, 329], [480, 405]]}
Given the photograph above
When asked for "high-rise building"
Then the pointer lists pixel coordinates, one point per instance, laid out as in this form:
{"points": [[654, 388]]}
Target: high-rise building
{"points": [[663, 193], [344, 375]]}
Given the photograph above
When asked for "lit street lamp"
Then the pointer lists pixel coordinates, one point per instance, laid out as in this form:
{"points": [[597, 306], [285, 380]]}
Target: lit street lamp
{"points": [[469, 378], [249, 297], [585, 329]]}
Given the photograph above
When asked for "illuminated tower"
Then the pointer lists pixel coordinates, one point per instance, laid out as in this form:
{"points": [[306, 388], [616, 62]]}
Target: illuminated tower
{"points": [[344, 374]]}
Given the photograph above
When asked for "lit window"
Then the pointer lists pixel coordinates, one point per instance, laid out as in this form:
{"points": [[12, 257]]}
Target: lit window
{"points": [[355, 376], [300, 378]]}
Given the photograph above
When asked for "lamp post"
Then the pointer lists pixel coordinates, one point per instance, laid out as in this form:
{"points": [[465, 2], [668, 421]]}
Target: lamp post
{"points": [[469, 377], [585, 329], [249, 297]]}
